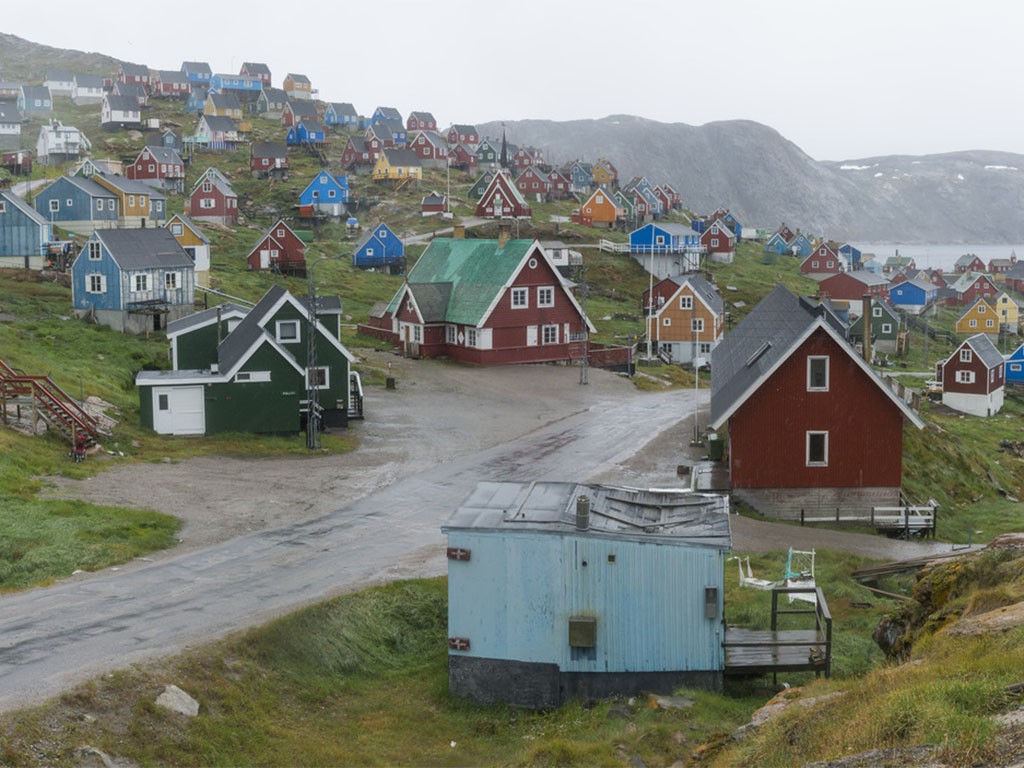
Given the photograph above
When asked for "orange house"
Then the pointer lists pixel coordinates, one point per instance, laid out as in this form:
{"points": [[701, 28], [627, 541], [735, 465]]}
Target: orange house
{"points": [[599, 210], [980, 317], [685, 318]]}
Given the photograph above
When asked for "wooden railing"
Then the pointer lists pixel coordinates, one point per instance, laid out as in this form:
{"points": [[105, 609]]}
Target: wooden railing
{"points": [[53, 404]]}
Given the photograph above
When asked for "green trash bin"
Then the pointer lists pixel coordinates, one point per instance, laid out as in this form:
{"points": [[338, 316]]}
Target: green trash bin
{"points": [[716, 447]]}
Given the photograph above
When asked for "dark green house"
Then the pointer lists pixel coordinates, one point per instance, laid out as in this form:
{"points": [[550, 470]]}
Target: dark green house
{"points": [[238, 370], [885, 328]]}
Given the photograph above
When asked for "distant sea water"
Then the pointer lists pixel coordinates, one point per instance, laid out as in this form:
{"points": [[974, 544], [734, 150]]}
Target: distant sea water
{"points": [[939, 256]]}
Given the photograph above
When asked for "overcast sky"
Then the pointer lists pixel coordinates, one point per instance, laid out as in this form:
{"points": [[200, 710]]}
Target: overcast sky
{"points": [[842, 79]]}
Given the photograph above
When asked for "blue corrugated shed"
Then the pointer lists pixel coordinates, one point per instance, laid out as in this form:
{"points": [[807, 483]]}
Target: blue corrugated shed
{"points": [[638, 577]]}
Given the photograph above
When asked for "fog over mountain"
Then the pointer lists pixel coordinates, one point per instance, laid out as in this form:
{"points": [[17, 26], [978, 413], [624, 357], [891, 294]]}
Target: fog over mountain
{"points": [[968, 197]]}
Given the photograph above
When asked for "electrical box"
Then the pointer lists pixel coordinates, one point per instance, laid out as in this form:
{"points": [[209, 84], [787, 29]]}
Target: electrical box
{"points": [[582, 631], [711, 602]]}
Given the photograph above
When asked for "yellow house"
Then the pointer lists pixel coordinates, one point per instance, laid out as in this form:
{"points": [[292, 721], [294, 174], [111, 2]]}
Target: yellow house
{"points": [[223, 105], [601, 174], [980, 317], [297, 86], [137, 201], [194, 243], [1008, 310], [397, 164], [686, 318]]}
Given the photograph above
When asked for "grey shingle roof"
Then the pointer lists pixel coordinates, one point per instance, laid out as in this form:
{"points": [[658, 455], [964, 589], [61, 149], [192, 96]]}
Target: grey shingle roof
{"points": [[162, 154], [16, 202], [432, 300], [256, 68], [89, 81], [132, 187], [297, 78], [144, 248], [302, 108], [118, 103], [985, 349], [269, 149], [705, 289], [220, 123], [196, 319], [238, 342], [403, 157], [9, 112]]}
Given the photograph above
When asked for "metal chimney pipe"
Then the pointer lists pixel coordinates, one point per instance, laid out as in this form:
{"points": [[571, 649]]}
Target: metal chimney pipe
{"points": [[866, 327], [582, 513]]}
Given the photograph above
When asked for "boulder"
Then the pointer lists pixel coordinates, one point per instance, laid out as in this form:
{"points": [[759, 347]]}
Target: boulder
{"points": [[176, 700]]}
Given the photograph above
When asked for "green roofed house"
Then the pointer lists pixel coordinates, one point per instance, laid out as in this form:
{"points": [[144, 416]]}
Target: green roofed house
{"points": [[238, 369], [489, 302]]}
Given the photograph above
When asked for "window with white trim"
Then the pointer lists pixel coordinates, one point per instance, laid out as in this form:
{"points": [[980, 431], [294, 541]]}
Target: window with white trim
{"points": [[705, 347], [686, 302], [549, 334], [252, 377], [990, 323], [287, 331], [1015, 367], [96, 284], [886, 327], [876, 311], [697, 325], [111, 204], [966, 356], [666, 321], [176, 229], [141, 283], [95, 250], [172, 280], [965, 377], [817, 373], [545, 296], [54, 206], [471, 337], [817, 449], [520, 298], [318, 378], [131, 201], [450, 334], [972, 323]]}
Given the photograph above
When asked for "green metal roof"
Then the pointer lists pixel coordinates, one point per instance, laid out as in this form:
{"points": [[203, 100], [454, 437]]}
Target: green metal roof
{"points": [[476, 270]]}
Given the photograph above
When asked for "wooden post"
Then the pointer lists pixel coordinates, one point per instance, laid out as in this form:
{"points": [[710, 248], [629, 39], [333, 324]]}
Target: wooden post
{"points": [[801, 518]]}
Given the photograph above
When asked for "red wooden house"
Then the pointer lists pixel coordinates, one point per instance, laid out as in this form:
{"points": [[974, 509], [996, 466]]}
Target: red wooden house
{"points": [[666, 199], [213, 199], [523, 158], [170, 84], [811, 427], [972, 377], [971, 287], [268, 159], [533, 184], [462, 158], [297, 110], [487, 302], [133, 74], [823, 261], [719, 242], [433, 202], [279, 250], [158, 166], [358, 157], [420, 121], [462, 134], [559, 185], [677, 200], [501, 200], [853, 286], [430, 149], [969, 262], [256, 71]]}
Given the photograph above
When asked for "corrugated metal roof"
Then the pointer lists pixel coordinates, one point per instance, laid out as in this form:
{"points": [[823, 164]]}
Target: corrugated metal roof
{"points": [[666, 516]]}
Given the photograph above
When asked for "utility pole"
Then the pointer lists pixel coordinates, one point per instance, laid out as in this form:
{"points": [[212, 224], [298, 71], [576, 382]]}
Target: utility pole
{"points": [[581, 278]]}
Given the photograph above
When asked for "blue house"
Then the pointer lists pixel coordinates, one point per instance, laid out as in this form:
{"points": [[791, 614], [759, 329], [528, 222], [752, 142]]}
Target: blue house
{"points": [[380, 114], [197, 72], [24, 233], [196, 99], [243, 86], [801, 246], [341, 113], [664, 238], [580, 175], [133, 280], [78, 204], [852, 255], [912, 295], [379, 247], [308, 131], [777, 244], [558, 590], [325, 194], [1015, 366]]}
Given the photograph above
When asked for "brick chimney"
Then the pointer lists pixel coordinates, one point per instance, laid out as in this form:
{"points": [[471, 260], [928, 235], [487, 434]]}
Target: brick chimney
{"points": [[504, 233], [459, 231]]}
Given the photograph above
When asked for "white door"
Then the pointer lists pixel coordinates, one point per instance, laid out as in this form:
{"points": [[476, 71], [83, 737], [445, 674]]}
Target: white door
{"points": [[531, 335], [179, 410], [265, 259]]}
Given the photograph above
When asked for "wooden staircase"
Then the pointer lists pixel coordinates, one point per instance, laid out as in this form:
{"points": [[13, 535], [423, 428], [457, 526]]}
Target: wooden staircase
{"points": [[46, 401]]}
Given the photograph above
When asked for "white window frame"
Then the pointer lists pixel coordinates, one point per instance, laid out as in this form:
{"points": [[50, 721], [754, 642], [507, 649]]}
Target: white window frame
{"points": [[450, 334], [812, 360], [886, 327], [177, 229], [686, 302], [318, 369], [54, 205], [545, 296], [810, 435], [666, 321], [252, 377], [964, 377], [549, 334], [697, 325], [520, 298], [966, 356], [172, 280], [95, 250], [95, 283], [281, 331], [471, 337], [140, 283]]}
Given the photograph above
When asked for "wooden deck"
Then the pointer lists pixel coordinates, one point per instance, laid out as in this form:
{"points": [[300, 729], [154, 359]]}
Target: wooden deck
{"points": [[756, 652]]}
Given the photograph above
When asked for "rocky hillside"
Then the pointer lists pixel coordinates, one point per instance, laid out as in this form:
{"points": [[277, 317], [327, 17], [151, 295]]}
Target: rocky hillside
{"points": [[750, 168]]}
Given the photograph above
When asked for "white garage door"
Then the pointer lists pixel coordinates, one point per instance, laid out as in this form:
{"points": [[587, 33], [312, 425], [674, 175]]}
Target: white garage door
{"points": [[179, 411]]}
